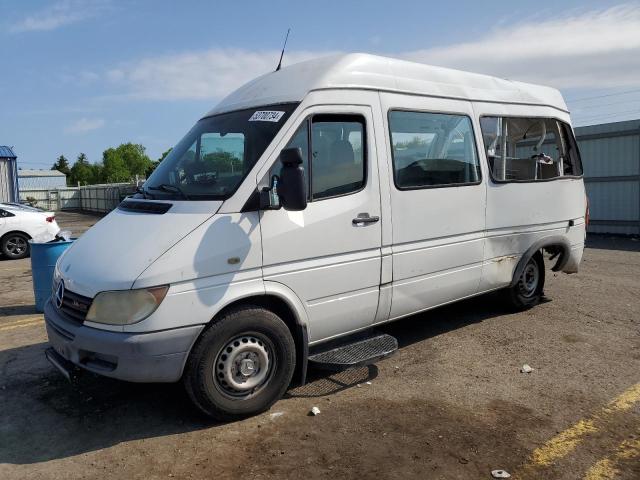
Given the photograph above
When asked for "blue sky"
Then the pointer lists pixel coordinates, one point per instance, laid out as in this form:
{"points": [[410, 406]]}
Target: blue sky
{"points": [[81, 76]]}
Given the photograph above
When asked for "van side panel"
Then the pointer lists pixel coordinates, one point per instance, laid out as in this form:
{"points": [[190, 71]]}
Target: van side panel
{"points": [[217, 263], [520, 214]]}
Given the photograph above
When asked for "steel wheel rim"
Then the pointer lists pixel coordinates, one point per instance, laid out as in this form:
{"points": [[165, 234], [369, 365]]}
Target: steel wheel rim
{"points": [[529, 279], [244, 366], [16, 245]]}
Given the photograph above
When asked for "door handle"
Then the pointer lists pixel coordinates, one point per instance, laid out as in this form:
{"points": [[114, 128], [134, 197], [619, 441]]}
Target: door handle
{"points": [[363, 219]]}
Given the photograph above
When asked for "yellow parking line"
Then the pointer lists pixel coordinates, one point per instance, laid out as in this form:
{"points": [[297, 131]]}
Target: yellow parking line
{"points": [[567, 441], [21, 325], [625, 401], [22, 320], [606, 469], [563, 443]]}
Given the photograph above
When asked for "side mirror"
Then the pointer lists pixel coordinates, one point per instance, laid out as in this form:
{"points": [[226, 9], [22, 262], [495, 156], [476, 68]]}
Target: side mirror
{"points": [[292, 187]]}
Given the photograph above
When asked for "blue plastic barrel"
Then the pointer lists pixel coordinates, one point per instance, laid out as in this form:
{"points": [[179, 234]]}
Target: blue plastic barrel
{"points": [[43, 262]]}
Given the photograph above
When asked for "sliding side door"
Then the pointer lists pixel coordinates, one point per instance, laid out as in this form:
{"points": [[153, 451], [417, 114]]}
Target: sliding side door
{"points": [[437, 199]]}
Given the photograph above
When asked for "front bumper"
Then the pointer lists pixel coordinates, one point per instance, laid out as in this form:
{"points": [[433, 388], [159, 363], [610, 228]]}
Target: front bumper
{"points": [[134, 357]]}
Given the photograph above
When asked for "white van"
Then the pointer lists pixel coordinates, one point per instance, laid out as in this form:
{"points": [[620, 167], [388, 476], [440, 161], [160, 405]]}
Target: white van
{"points": [[309, 206]]}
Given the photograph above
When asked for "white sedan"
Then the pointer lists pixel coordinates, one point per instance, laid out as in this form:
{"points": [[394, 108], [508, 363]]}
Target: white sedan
{"points": [[19, 224]]}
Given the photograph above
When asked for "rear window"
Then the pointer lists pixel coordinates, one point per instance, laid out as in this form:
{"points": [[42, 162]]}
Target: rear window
{"points": [[529, 149]]}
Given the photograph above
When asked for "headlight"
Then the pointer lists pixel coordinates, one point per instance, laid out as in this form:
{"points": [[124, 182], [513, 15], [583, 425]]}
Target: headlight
{"points": [[125, 306]]}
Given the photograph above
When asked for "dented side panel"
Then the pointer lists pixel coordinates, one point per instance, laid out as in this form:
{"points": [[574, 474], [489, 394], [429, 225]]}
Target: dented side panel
{"points": [[504, 249]]}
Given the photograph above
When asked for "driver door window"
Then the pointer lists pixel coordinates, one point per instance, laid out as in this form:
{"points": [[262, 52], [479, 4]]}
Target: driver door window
{"points": [[337, 155]]}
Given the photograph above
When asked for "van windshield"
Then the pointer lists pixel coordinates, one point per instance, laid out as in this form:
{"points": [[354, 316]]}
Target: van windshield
{"points": [[211, 161]]}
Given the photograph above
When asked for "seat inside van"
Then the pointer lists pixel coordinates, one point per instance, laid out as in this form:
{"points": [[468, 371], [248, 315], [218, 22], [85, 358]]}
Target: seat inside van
{"points": [[337, 167]]}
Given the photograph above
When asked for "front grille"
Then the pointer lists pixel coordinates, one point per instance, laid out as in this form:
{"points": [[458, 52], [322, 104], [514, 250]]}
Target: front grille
{"points": [[74, 306], [59, 330]]}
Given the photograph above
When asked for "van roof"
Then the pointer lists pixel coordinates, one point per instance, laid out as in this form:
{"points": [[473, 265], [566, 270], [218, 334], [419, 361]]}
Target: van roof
{"points": [[372, 72]]}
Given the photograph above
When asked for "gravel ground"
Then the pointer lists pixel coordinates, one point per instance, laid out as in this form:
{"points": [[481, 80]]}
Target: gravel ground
{"points": [[450, 404]]}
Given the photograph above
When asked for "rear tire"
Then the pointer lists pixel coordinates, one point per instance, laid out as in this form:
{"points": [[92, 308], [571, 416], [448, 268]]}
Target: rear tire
{"points": [[241, 364], [528, 290], [15, 246]]}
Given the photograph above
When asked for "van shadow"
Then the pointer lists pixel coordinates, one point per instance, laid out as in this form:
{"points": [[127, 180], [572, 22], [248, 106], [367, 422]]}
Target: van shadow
{"points": [[45, 418], [438, 321], [11, 310], [233, 239]]}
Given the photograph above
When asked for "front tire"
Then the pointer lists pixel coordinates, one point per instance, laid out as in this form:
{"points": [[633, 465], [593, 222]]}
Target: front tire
{"points": [[528, 290], [15, 246], [241, 364]]}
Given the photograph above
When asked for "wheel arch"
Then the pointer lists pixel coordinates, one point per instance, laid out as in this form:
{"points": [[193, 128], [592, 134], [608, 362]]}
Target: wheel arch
{"points": [[282, 301], [558, 245], [4, 235]]}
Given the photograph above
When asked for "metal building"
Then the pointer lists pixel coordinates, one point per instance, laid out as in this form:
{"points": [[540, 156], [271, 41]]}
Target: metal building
{"points": [[611, 160], [8, 176], [41, 179]]}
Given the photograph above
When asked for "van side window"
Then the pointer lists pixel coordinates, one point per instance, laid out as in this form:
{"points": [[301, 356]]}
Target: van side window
{"points": [[337, 154], [529, 149], [432, 150]]}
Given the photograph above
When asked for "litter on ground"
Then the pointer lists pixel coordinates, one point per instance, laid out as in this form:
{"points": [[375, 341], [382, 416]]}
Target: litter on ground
{"points": [[526, 369], [500, 474]]}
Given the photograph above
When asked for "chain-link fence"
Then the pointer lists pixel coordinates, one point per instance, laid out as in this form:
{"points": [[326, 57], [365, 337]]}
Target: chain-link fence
{"points": [[91, 198]]}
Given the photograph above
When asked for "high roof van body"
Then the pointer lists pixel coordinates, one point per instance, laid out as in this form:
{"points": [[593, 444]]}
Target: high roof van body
{"points": [[309, 206]]}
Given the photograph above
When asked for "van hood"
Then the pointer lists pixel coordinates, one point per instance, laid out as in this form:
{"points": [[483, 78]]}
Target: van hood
{"points": [[117, 249]]}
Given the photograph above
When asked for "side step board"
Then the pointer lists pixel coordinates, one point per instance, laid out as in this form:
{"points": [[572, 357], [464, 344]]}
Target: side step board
{"points": [[358, 353]]}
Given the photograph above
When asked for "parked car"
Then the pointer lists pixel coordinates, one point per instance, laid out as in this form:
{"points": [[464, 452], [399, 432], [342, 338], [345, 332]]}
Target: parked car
{"points": [[21, 223], [309, 206]]}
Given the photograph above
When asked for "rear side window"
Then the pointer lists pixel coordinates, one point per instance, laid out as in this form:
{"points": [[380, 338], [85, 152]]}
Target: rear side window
{"points": [[333, 154], [5, 214], [529, 149], [432, 150]]}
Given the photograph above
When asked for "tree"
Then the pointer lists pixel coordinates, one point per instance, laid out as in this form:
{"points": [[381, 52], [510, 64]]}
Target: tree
{"points": [[62, 165], [114, 168], [96, 174], [81, 172], [123, 163]]}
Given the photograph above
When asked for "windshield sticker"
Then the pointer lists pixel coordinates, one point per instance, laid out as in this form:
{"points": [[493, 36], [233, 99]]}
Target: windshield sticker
{"points": [[266, 116]]}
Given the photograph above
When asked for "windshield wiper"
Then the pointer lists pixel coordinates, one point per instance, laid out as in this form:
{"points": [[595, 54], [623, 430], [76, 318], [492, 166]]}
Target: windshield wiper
{"points": [[141, 191], [165, 187]]}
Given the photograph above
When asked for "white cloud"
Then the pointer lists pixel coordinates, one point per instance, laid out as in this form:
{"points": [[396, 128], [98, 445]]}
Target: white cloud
{"points": [[61, 13], [209, 74], [589, 49], [85, 125]]}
